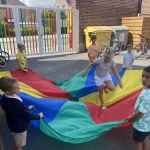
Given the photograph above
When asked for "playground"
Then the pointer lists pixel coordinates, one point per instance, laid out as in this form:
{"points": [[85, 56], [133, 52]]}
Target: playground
{"points": [[63, 68]]}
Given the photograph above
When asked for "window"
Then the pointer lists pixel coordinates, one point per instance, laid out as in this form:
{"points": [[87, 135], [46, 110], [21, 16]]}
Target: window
{"points": [[2, 1]]}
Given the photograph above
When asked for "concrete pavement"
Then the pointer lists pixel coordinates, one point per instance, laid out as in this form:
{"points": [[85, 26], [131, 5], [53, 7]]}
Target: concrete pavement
{"points": [[59, 68]]}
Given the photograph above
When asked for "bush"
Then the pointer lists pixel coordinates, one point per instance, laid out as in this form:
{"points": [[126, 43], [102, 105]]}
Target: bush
{"points": [[49, 32], [3, 27], [28, 30]]}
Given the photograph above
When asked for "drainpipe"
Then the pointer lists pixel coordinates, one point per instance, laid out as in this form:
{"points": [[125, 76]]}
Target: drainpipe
{"points": [[139, 7]]}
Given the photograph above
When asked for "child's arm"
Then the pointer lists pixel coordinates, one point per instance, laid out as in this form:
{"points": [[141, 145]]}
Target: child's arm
{"points": [[19, 64], [90, 57], [99, 51], [124, 63], [131, 63], [87, 68], [117, 75], [135, 117]]}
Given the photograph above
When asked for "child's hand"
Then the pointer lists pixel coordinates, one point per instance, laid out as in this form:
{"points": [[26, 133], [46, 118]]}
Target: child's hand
{"points": [[120, 84], [41, 115], [129, 119], [83, 75], [30, 107]]}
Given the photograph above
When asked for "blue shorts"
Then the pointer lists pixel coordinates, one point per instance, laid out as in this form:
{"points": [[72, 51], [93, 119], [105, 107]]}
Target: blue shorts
{"points": [[139, 136]]}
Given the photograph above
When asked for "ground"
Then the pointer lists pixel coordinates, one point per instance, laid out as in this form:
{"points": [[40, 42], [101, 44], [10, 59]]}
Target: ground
{"points": [[59, 68]]}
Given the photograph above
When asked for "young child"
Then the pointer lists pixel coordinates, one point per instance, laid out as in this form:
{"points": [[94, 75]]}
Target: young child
{"points": [[102, 77], [93, 49], [22, 63], [128, 58], [141, 116], [16, 112]]}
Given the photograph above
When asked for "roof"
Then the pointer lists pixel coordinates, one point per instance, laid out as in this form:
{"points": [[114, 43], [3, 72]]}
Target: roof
{"points": [[39, 3]]}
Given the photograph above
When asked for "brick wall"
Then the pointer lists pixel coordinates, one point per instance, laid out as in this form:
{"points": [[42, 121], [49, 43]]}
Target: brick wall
{"points": [[104, 13], [145, 9], [74, 4]]}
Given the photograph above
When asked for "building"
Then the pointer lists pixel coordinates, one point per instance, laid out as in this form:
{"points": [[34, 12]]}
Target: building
{"points": [[107, 13]]}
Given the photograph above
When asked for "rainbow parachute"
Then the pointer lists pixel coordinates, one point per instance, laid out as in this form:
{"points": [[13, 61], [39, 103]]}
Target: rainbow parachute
{"points": [[71, 108]]}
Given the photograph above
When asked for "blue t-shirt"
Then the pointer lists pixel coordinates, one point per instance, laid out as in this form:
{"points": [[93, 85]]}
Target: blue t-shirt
{"points": [[128, 57]]}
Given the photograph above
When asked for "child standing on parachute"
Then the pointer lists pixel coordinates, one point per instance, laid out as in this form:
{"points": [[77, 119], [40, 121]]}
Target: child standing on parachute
{"points": [[93, 49], [141, 116], [102, 77]]}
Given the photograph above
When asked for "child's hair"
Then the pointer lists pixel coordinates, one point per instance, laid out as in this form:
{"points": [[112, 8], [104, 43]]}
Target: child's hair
{"points": [[108, 51], [20, 44], [147, 69], [6, 83], [129, 46], [93, 37]]}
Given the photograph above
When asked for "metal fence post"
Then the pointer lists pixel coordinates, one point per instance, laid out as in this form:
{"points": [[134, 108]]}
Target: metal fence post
{"points": [[58, 27], [39, 26], [76, 30]]}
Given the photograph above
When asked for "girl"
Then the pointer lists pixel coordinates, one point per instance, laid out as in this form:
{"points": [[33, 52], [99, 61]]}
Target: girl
{"points": [[102, 77], [94, 49]]}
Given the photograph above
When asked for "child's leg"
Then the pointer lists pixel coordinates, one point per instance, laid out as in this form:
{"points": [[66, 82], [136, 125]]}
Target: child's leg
{"points": [[109, 85], [138, 145], [14, 147], [105, 88], [100, 90], [146, 144]]}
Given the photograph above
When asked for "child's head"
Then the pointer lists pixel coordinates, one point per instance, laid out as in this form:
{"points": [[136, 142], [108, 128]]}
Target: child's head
{"points": [[9, 85], [93, 39], [108, 55], [146, 77], [129, 48], [21, 46]]}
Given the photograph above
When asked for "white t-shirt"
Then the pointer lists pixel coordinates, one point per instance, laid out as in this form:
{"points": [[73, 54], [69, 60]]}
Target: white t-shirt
{"points": [[103, 68]]}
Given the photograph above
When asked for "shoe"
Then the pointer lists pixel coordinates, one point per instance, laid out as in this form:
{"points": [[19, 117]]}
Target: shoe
{"points": [[103, 107], [25, 70]]}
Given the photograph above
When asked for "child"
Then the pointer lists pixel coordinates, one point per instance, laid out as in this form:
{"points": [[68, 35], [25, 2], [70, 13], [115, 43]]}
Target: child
{"points": [[16, 112], [22, 63], [102, 77], [93, 49], [141, 116], [128, 58]]}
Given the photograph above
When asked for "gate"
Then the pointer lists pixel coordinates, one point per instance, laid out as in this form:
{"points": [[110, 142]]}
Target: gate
{"points": [[43, 31]]}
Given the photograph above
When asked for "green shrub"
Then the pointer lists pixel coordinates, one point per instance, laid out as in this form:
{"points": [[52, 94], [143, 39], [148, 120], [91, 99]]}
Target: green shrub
{"points": [[28, 30], [3, 27]]}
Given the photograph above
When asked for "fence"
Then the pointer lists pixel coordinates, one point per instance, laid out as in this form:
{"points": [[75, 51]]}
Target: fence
{"points": [[43, 31]]}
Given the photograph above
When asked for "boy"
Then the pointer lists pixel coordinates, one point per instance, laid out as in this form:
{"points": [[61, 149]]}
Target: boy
{"points": [[16, 112], [141, 116], [128, 58], [22, 63], [93, 49]]}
